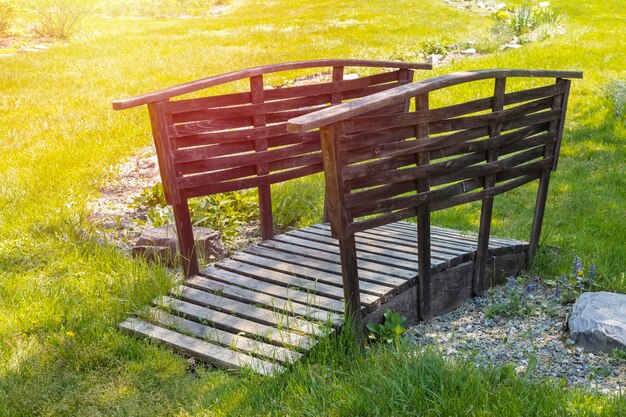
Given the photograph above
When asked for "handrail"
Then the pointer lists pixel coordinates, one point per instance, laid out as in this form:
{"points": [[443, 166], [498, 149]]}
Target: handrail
{"points": [[203, 83], [385, 98]]}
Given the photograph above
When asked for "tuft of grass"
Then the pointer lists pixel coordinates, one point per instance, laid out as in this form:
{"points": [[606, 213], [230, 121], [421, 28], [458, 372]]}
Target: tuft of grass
{"points": [[298, 203], [7, 14]]}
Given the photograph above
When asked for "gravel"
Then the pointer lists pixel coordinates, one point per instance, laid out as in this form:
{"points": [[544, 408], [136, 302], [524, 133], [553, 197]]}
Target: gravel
{"points": [[521, 324]]}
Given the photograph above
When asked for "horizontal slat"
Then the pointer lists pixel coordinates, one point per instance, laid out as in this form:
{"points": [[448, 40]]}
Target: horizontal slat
{"points": [[228, 340], [287, 280], [294, 307], [369, 206], [205, 351], [364, 274], [490, 192], [269, 317], [250, 109], [201, 151], [295, 294], [204, 187], [281, 337], [380, 291], [251, 158], [190, 104], [446, 119], [329, 253]]}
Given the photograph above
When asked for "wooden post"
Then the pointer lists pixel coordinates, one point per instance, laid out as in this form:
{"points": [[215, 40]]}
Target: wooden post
{"points": [[480, 261], [184, 229], [424, 294], [335, 98], [265, 193], [186, 243], [555, 126], [340, 220]]}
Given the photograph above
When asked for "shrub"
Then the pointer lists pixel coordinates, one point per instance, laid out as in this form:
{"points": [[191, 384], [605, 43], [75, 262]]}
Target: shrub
{"points": [[60, 19], [7, 12]]}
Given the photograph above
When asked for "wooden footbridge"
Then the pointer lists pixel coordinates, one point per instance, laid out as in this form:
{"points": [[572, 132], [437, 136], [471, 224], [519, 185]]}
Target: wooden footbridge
{"points": [[388, 154]]}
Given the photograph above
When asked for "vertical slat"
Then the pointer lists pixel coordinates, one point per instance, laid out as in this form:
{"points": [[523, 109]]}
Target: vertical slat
{"points": [[544, 181], [480, 262], [424, 294], [340, 220], [186, 243], [265, 195], [405, 76], [335, 98]]}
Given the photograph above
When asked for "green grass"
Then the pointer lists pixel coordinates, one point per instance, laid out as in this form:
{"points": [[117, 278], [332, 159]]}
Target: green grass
{"points": [[59, 140]]}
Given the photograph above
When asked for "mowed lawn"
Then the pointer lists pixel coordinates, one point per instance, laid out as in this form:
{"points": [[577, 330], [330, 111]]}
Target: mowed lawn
{"points": [[63, 291]]}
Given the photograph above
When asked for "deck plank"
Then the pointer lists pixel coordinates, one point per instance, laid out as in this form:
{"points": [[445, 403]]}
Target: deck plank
{"points": [[248, 311], [292, 307], [229, 340], [281, 337], [213, 354]]}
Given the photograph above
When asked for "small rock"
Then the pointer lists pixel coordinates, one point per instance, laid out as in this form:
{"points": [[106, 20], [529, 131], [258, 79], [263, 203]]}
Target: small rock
{"points": [[161, 243], [469, 51], [569, 342], [148, 166]]}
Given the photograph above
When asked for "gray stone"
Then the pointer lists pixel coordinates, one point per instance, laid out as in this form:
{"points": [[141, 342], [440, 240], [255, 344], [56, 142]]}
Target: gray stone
{"points": [[598, 321], [469, 51], [161, 243]]}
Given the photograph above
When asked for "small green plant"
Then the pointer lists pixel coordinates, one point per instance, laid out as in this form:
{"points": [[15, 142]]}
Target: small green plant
{"points": [[298, 203], [7, 13], [390, 330], [570, 286], [60, 19], [522, 20], [619, 356], [433, 47]]}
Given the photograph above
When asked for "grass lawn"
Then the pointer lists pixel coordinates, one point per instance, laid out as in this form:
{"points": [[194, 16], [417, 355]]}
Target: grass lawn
{"points": [[63, 292]]}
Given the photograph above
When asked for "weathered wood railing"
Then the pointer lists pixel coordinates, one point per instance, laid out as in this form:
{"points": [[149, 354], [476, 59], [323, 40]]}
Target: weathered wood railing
{"points": [[382, 168], [229, 142]]}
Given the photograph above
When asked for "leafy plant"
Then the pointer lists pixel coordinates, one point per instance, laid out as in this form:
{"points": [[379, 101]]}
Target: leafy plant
{"points": [[60, 19], [7, 12], [298, 203], [225, 212], [390, 330]]}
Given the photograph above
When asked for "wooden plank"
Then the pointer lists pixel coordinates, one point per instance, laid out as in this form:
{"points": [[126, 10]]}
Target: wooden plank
{"points": [[270, 317], [242, 184], [321, 264], [291, 281], [291, 293], [230, 323], [381, 291], [387, 245], [200, 349], [331, 255], [362, 246], [232, 341], [410, 244], [288, 306]]}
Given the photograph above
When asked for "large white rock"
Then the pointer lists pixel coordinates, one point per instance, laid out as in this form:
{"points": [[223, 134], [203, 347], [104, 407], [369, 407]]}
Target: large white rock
{"points": [[598, 321]]}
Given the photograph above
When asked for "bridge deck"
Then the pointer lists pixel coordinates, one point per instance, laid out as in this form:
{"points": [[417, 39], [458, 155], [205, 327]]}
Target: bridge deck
{"points": [[270, 304]]}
